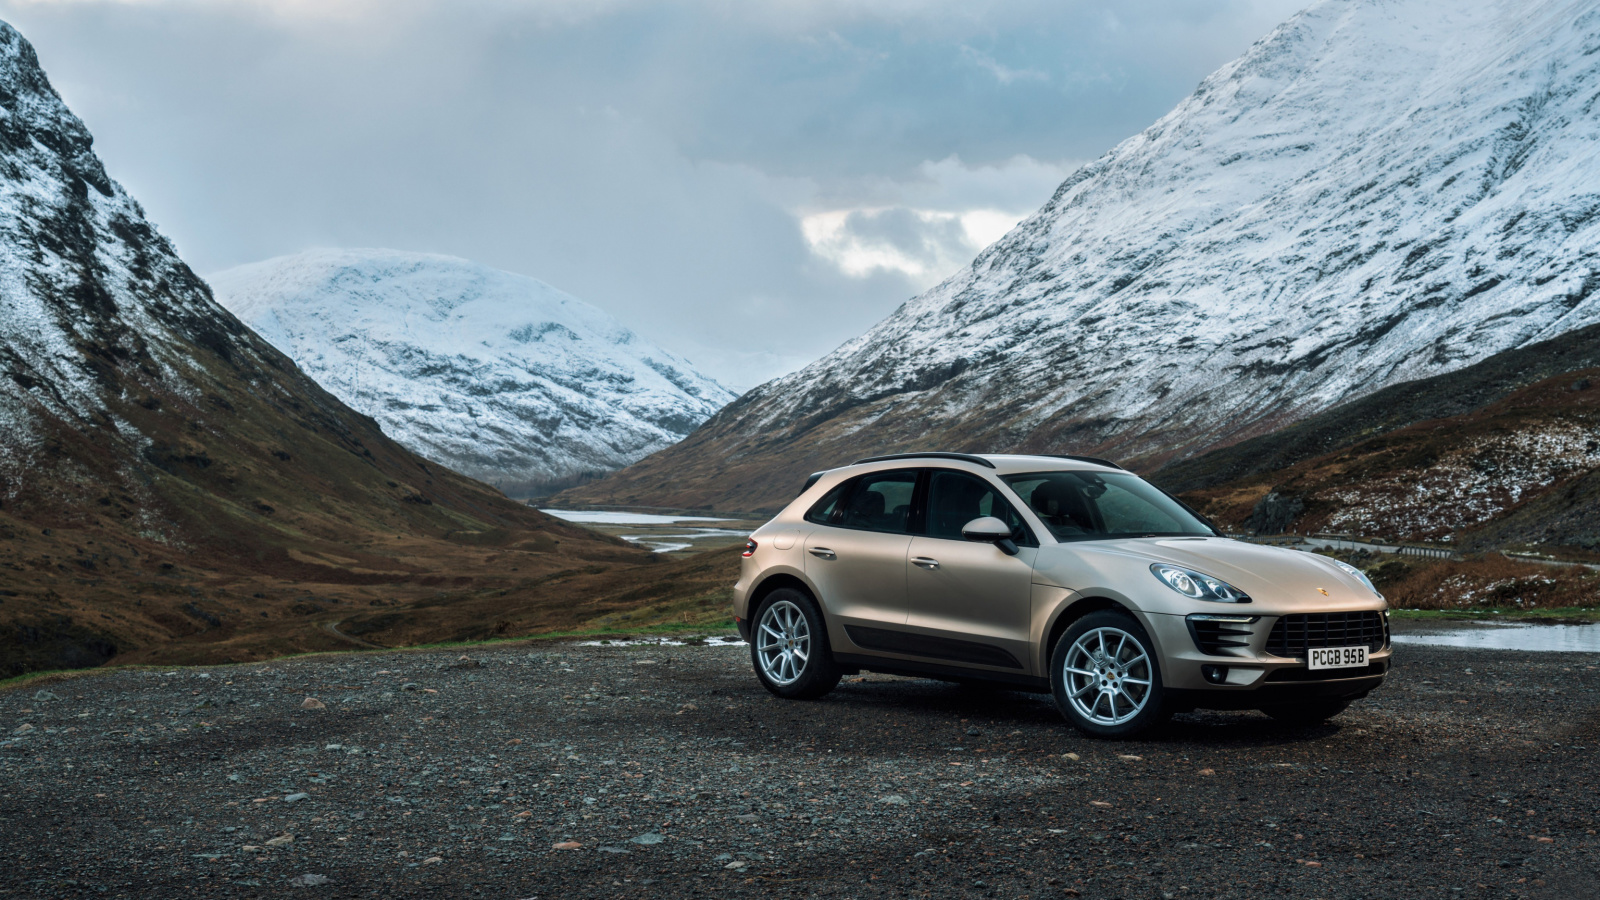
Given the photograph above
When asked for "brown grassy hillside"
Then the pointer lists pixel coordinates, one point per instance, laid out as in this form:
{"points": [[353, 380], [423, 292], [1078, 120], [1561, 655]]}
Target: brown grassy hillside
{"points": [[173, 486]]}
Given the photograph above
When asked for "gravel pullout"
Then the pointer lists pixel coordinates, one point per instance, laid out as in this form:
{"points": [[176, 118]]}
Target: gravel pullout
{"points": [[668, 772]]}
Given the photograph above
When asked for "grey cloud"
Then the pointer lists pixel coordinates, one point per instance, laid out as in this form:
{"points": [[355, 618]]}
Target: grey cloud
{"points": [[655, 159]]}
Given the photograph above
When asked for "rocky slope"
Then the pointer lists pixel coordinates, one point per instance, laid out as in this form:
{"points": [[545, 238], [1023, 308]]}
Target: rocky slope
{"points": [[1375, 192], [167, 476], [499, 376], [1513, 472]]}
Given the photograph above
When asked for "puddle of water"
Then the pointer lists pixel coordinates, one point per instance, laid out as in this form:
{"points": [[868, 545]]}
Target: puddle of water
{"points": [[595, 517], [712, 641], [1537, 638]]}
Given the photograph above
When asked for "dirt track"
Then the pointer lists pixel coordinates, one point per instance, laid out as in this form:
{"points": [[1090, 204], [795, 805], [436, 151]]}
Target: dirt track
{"points": [[429, 776]]}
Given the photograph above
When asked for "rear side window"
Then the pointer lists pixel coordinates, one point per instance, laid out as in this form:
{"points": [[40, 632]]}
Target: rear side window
{"points": [[880, 501], [823, 512]]}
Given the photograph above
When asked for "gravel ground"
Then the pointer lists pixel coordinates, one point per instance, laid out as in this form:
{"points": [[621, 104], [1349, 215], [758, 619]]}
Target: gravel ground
{"points": [[669, 772]]}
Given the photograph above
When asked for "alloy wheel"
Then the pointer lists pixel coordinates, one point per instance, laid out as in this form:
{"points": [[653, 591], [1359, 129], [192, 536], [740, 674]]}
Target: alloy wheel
{"points": [[783, 643], [1107, 675]]}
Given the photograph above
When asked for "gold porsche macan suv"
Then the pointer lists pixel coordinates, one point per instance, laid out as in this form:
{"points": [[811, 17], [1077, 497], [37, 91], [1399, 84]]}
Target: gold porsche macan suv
{"points": [[1053, 574]]}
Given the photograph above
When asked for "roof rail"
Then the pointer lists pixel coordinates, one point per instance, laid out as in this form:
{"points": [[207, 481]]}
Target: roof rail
{"points": [[1088, 459], [964, 457], [813, 479]]}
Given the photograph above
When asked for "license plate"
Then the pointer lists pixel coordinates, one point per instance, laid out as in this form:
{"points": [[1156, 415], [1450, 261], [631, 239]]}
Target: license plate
{"points": [[1336, 658]]}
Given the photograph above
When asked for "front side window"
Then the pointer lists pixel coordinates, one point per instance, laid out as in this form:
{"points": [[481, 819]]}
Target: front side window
{"points": [[1078, 506], [880, 501], [956, 498]]}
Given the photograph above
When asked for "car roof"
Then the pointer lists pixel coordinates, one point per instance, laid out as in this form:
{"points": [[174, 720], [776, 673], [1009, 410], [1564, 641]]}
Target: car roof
{"points": [[999, 463]]}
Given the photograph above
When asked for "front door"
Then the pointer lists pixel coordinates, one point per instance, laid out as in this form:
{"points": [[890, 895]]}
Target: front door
{"points": [[970, 602], [857, 555]]}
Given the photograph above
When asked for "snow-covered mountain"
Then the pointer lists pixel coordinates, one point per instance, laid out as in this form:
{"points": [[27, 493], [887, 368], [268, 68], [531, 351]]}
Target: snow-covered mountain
{"points": [[499, 376], [1377, 191], [167, 477]]}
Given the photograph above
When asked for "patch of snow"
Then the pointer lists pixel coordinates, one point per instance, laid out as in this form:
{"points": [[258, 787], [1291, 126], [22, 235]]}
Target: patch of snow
{"points": [[711, 641], [1473, 484]]}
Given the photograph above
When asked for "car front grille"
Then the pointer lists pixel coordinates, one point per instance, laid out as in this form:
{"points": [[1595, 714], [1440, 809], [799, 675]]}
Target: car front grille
{"points": [[1293, 635]]}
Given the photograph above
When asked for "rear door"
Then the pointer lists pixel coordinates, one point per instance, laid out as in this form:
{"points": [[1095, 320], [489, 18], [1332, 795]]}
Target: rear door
{"points": [[856, 557], [970, 602]]}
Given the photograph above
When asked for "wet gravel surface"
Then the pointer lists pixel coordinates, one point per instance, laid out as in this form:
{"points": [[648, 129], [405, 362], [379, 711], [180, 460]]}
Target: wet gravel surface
{"points": [[668, 772]]}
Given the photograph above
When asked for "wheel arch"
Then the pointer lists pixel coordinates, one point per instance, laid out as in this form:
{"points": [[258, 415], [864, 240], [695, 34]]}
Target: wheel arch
{"points": [[1074, 611], [780, 580]]}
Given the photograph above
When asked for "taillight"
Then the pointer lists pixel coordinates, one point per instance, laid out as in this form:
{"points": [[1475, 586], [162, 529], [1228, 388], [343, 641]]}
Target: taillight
{"points": [[749, 547]]}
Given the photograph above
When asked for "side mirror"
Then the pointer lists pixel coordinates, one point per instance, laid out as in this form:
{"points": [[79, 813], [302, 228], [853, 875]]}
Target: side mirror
{"points": [[990, 530]]}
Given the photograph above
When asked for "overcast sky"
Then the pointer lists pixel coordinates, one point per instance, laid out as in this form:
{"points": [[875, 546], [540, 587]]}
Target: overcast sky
{"points": [[748, 184]]}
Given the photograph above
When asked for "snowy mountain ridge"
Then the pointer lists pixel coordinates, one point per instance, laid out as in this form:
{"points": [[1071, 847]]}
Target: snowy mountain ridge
{"points": [[1377, 191], [79, 265], [499, 376]]}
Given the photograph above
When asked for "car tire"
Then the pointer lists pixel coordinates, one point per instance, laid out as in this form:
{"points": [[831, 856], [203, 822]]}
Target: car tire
{"points": [[789, 646], [1088, 678], [1309, 713]]}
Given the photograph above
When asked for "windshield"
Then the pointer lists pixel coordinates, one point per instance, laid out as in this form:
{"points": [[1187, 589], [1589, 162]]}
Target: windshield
{"points": [[1079, 506]]}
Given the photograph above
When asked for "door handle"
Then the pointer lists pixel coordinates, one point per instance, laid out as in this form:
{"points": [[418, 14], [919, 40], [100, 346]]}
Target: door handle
{"points": [[823, 553], [925, 562]]}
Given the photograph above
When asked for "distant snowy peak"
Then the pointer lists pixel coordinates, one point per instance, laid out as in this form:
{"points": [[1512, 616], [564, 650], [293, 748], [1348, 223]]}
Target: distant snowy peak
{"points": [[497, 375]]}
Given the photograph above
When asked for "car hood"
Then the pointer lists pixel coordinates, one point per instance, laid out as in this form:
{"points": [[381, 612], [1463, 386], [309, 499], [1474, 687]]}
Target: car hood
{"points": [[1267, 574]]}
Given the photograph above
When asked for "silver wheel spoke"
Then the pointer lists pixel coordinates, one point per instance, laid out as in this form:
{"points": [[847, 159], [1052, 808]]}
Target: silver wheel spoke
{"points": [[783, 644], [1122, 692]]}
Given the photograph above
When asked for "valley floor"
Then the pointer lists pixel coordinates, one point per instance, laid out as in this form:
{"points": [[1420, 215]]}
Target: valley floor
{"points": [[425, 774]]}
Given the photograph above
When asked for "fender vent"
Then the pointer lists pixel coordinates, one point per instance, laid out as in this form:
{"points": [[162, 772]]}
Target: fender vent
{"points": [[1218, 635]]}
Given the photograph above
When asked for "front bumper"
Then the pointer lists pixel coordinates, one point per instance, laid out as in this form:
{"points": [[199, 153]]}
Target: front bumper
{"points": [[1281, 693], [1245, 665]]}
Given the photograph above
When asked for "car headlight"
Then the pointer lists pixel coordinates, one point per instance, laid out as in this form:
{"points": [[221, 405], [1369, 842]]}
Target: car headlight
{"points": [[1196, 586], [1357, 574]]}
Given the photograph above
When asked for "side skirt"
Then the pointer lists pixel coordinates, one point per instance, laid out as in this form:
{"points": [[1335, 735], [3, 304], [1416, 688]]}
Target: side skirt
{"points": [[910, 643], [943, 673]]}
